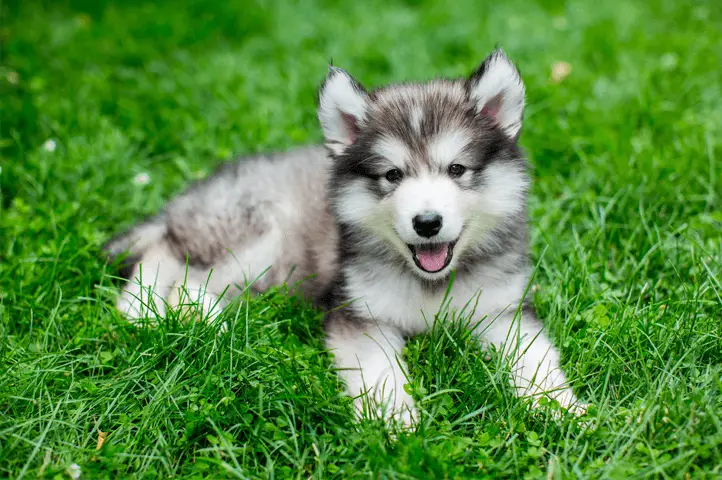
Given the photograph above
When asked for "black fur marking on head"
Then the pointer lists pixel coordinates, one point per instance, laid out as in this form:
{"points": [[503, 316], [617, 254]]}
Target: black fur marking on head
{"points": [[444, 106], [359, 163], [481, 70], [495, 146]]}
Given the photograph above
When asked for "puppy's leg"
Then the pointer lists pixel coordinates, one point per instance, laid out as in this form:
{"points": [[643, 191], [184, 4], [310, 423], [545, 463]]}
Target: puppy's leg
{"points": [[149, 283], [194, 294], [368, 357], [535, 362]]}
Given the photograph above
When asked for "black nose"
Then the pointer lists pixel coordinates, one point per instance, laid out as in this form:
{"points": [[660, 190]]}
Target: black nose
{"points": [[427, 224]]}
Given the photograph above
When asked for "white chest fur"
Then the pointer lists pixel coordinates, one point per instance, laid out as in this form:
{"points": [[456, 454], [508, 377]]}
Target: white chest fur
{"points": [[389, 295]]}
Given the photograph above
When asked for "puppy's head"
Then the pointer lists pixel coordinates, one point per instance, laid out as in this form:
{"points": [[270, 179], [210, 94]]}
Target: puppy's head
{"points": [[426, 171]]}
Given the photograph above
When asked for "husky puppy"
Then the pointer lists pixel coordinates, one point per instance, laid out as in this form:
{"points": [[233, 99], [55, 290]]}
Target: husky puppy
{"points": [[416, 181]]}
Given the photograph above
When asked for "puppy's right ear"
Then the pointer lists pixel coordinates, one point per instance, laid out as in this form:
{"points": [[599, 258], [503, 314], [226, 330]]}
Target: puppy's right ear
{"points": [[342, 106]]}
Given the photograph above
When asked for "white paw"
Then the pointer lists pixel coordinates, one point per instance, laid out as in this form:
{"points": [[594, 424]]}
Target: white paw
{"points": [[577, 408], [211, 306], [197, 303], [569, 402], [566, 399], [396, 407], [136, 302], [206, 306]]}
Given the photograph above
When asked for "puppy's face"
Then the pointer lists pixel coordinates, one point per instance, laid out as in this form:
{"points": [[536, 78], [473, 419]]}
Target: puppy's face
{"points": [[426, 170]]}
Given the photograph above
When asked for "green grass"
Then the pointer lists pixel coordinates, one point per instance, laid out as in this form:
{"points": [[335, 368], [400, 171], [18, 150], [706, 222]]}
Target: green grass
{"points": [[627, 227]]}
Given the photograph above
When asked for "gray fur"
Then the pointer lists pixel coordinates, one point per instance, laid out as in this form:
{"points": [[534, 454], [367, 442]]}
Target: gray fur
{"points": [[338, 219], [241, 206]]}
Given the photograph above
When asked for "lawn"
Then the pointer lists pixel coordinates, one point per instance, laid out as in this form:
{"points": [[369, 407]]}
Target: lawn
{"points": [[109, 109]]}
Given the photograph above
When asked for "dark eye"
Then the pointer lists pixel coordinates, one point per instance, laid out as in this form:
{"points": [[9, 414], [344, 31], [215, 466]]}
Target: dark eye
{"points": [[456, 170], [394, 175]]}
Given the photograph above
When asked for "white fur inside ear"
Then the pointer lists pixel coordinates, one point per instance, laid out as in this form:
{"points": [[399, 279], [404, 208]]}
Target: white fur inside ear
{"points": [[498, 91], [341, 109]]}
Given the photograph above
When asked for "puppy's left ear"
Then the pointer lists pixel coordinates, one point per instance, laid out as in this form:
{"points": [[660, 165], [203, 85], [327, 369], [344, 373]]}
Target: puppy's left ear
{"points": [[342, 105], [498, 91]]}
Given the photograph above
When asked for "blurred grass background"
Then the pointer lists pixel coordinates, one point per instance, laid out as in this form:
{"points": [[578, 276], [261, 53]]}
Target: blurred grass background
{"points": [[109, 108]]}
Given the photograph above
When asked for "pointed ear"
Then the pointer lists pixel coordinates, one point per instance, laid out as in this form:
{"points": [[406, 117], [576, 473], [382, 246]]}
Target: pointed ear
{"points": [[342, 105], [498, 91]]}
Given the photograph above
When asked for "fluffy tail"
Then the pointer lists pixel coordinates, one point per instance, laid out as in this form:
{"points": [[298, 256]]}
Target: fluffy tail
{"points": [[129, 246]]}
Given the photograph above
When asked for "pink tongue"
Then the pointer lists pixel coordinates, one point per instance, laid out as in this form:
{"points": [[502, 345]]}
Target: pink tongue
{"points": [[432, 260]]}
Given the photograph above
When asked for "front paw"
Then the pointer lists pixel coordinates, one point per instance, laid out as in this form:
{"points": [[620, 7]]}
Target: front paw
{"points": [[578, 409], [566, 400], [569, 402], [138, 301], [397, 408]]}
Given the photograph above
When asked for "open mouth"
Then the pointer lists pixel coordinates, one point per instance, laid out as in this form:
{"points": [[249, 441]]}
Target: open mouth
{"points": [[433, 257]]}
